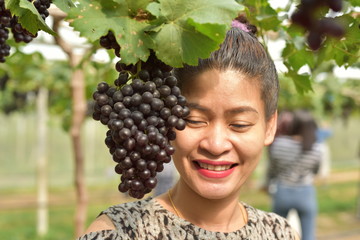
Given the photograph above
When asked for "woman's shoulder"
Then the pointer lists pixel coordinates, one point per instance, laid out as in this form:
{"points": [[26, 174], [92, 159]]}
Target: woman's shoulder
{"points": [[115, 220], [130, 207], [270, 224]]}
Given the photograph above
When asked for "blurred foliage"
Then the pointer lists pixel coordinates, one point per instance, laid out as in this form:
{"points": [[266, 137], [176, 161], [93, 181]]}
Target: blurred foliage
{"points": [[308, 82]]}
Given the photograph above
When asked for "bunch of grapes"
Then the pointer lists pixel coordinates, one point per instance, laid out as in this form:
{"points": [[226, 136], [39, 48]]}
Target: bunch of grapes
{"points": [[8, 21], [141, 111], [306, 17]]}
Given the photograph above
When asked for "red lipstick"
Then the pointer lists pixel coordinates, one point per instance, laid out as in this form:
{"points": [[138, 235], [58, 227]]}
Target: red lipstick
{"points": [[214, 169]]}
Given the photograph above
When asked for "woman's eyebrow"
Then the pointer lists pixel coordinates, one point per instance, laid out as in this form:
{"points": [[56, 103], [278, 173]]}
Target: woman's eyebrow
{"points": [[232, 111], [197, 106], [242, 109]]}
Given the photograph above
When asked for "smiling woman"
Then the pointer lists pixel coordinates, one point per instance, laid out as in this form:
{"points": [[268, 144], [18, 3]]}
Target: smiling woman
{"points": [[232, 97]]}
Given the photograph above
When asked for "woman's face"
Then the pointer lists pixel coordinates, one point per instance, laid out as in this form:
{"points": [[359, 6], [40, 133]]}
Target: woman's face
{"points": [[225, 133]]}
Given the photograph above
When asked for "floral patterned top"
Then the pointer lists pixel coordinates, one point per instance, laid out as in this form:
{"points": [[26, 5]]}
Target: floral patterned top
{"points": [[147, 219]]}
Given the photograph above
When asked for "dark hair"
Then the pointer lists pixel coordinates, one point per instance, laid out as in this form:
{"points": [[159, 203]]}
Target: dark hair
{"points": [[305, 126], [241, 51], [285, 123]]}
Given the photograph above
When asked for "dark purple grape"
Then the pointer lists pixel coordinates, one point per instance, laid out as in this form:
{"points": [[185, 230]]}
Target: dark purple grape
{"points": [[124, 133], [120, 153], [157, 104], [165, 113], [128, 122], [122, 79], [118, 107], [181, 124], [136, 99], [158, 81], [150, 86], [127, 90], [145, 108], [144, 75], [117, 96], [177, 110], [142, 140], [171, 81], [170, 101], [124, 113], [151, 183], [102, 99], [117, 125], [164, 91], [126, 163], [119, 66], [147, 97], [145, 174], [314, 40], [141, 165], [102, 87], [106, 110], [335, 5], [331, 27]]}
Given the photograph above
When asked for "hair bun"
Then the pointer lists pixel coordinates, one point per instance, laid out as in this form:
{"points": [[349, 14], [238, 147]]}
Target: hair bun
{"points": [[243, 23]]}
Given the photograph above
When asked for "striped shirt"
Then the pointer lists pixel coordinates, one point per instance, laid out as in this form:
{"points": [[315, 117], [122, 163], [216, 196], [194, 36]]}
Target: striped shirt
{"points": [[289, 164]]}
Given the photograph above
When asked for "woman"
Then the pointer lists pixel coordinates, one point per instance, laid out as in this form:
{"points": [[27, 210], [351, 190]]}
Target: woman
{"points": [[295, 157], [232, 98]]}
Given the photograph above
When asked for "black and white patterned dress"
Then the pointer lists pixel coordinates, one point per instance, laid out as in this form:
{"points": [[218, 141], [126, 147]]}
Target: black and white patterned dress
{"points": [[148, 220]]}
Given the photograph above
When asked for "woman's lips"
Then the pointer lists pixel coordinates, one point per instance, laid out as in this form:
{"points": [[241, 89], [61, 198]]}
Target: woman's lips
{"points": [[214, 169]]}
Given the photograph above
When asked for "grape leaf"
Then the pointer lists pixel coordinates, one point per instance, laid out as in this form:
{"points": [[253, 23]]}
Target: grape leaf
{"points": [[181, 38], [64, 5], [134, 6], [28, 16], [302, 82], [297, 57], [154, 9], [93, 19], [213, 31], [355, 3]]}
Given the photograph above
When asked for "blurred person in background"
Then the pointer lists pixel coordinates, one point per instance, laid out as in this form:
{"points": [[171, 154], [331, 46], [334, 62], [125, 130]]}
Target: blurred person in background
{"points": [[166, 179], [323, 133], [295, 157]]}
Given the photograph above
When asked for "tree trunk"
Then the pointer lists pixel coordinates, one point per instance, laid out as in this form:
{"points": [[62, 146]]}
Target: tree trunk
{"points": [[78, 115], [79, 108], [42, 181]]}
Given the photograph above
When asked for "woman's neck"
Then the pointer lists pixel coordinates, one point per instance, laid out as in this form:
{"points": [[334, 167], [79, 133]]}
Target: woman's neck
{"points": [[223, 215]]}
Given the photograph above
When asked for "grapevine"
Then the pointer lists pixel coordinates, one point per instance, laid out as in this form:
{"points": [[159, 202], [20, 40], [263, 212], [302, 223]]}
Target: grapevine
{"points": [[9, 22], [306, 16], [141, 111]]}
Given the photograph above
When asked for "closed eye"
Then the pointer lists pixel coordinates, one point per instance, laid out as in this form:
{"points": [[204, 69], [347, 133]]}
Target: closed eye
{"points": [[240, 127], [195, 123]]}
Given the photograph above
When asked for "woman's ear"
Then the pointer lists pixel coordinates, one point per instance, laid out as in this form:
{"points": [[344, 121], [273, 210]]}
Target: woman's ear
{"points": [[271, 126]]}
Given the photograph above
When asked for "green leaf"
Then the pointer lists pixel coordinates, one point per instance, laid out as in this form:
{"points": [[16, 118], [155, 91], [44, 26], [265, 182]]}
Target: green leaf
{"points": [[29, 17], [213, 31], [64, 5], [181, 44], [93, 19], [181, 38], [201, 11], [355, 3], [297, 58], [302, 81], [154, 9], [135, 6]]}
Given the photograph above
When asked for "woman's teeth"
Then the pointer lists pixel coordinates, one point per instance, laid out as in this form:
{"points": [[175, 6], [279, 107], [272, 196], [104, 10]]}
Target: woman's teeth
{"points": [[214, 167]]}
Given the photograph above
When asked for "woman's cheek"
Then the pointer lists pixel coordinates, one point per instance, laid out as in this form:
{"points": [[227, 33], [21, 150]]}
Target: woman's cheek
{"points": [[250, 145]]}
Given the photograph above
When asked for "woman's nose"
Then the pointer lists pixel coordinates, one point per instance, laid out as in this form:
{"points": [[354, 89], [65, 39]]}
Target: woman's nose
{"points": [[216, 140]]}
